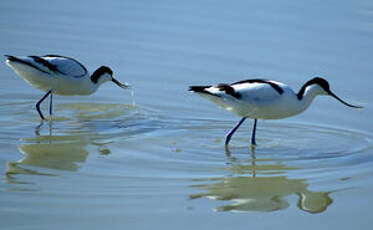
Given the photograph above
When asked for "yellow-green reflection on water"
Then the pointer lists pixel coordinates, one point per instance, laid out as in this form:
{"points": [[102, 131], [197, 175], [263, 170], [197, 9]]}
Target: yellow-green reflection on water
{"points": [[90, 111], [60, 156], [263, 193], [61, 144]]}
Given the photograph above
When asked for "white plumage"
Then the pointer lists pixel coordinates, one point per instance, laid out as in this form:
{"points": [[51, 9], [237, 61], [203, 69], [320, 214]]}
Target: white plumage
{"points": [[257, 100], [59, 75], [264, 99]]}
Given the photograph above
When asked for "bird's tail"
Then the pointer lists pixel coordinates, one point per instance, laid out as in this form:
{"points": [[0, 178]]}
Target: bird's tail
{"points": [[10, 60], [199, 89], [10, 57]]}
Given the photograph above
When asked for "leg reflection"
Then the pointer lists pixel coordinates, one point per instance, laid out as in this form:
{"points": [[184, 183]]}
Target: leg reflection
{"points": [[253, 161], [50, 128], [37, 128]]}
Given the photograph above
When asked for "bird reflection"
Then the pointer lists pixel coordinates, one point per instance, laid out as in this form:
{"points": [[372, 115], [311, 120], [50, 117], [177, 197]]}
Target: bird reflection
{"points": [[45, 153], [62, 143], [38, 127], [261, 193]]}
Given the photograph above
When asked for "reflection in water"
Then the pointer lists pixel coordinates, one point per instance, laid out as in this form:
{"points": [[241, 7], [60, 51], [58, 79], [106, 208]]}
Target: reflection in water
{"points": [[60, 156], [64, 144], [52, 152], [93, 111], [253, 193], [65, 150]]}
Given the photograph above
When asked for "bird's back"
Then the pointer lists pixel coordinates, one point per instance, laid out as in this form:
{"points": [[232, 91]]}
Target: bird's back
{"points": [[65, 66], [52, 65], [66, 76], [254, 98], [264, 100]]}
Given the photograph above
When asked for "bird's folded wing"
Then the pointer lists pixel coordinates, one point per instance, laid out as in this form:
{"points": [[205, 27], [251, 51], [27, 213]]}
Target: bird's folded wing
{"points": [[66, 66]]}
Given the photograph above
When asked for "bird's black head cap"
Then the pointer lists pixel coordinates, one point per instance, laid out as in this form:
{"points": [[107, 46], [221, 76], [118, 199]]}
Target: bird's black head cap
{"points": [[318, 81], [99, 72], [321, 82]]}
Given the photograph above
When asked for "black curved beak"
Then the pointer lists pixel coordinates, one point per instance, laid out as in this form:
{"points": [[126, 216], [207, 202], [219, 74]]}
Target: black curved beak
{"points": [[343, 102], [123, 86]]}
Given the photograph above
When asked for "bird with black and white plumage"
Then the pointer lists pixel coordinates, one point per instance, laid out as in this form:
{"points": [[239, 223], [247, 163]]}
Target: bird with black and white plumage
{"points": [[264, 99], [55, 74]]}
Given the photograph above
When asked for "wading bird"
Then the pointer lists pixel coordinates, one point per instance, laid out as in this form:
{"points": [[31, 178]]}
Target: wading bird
{"points": [[55, 74], [264, 99]]}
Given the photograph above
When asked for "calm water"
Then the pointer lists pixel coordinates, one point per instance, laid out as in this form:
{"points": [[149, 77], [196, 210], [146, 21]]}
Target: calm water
{"points": [[157, 160]]}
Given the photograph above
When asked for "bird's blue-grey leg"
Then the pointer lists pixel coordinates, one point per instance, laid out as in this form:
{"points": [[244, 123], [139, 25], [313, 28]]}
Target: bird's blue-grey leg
{"points": [[253, 142], [40, 101], [50, 106], [231, 132]]}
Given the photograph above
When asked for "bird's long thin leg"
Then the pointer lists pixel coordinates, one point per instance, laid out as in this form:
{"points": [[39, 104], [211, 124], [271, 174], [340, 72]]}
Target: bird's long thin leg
{"points": [[253, 142], [231, 132], [50, 106], [40, 101]]}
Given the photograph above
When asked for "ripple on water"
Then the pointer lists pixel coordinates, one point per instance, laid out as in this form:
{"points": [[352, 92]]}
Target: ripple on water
{"points": [[288, 159], [65, 143], [282, 141], [143, 145]]}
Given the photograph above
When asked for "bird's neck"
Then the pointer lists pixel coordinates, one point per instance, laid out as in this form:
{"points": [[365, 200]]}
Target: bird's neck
{"points": [[94, 87], [97, 79], [307, 94]]}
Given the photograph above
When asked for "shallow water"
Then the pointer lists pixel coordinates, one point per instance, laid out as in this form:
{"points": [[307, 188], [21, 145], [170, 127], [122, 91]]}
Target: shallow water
{"points": [[157, 159]]}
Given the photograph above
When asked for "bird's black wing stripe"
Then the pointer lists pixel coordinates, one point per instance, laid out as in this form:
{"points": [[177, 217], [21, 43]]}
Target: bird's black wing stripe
{"points": [[229, 90], [45, 63], [274, 85], [72, 59], [222, 87], [15, 59]]}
